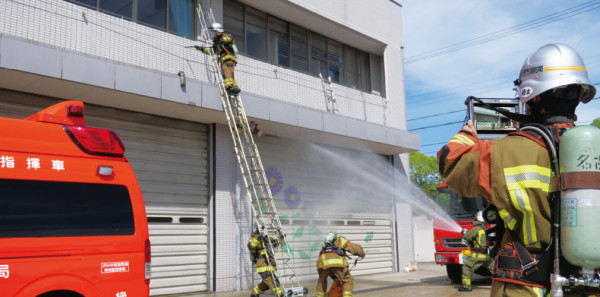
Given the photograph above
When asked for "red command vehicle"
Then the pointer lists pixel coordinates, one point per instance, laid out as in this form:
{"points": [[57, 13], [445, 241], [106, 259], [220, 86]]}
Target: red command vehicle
{"points": [[72, 216], [448, 240]]}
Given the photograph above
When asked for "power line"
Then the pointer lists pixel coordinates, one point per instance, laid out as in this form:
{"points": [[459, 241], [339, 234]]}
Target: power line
{"points": [[433, 126], [434, 144], [554, 17], [437, 114]]}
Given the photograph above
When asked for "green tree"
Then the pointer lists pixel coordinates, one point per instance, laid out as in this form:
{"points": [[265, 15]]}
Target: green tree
{"points": [[596, 123], [424, 172]]}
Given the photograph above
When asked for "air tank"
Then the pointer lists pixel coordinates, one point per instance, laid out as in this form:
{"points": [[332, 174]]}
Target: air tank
{"points": [[579, 151]]}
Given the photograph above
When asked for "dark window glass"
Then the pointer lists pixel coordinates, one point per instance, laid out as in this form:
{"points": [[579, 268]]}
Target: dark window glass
{"points": [[278, 42], [299, 48], [351, 73], [319, 66], [318, 46], [364, 71], [181, 17], [256, 33], [318, 55], [119, 7], [336, 61], [57, 209], [233, 23], [90, 3], [152, 12]]}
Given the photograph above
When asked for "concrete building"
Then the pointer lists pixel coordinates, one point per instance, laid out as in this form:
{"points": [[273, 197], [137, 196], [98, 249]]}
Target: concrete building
{"points": [[332, 165]]}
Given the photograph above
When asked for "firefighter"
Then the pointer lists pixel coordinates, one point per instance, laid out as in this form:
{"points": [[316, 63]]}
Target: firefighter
{"points": [[478, 256], [224, 47], [514, 173], [262, 255], [332, 263]]}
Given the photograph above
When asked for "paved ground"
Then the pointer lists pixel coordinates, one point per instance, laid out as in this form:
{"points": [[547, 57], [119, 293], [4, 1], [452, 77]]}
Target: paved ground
{"points": [[429, 280]]}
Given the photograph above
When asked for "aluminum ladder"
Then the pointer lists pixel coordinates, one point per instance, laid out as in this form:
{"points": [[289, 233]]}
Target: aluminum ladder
{"points": [[253, 173], [328, 91]]}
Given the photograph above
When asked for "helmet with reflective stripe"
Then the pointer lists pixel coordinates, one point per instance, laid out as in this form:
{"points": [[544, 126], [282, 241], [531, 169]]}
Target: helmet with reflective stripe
{"points": [[217, 27], [553, 66]]}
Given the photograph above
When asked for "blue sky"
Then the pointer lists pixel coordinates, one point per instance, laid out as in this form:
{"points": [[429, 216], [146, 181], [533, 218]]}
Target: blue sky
{"points": [[486, 43]]}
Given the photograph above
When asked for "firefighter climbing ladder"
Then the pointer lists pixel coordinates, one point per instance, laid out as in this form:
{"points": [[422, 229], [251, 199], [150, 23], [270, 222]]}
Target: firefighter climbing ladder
{"points": [[328, 91], [252, 170]]}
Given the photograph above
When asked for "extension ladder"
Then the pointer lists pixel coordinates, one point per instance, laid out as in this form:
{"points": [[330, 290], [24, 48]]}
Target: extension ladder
{"points": [[253, 173], [328, 91]]}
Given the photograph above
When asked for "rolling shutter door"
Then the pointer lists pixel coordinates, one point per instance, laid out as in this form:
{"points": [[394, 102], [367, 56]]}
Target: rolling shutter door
{"points": [[318, 189], [170, 160]]}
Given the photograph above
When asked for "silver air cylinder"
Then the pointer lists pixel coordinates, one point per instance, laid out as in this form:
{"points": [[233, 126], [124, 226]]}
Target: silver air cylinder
{"points": [[580, 198]]}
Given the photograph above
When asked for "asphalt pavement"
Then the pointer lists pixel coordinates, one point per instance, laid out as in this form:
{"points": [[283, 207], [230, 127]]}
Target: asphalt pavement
{"points": [[429, 279]]}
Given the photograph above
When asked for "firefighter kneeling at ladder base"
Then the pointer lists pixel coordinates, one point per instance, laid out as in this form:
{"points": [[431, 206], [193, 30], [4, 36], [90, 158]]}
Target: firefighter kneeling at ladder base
{"points": [[224, 47], [515, 172], [262, 255], [478, 253], [332, 263]]}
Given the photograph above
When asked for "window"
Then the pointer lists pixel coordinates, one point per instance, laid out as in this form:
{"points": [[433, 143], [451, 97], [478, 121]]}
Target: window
{"points": [[364, 71], [318, 55], [233, 22], [336, 61], [181, 15], [152, 12], [174, 16], [256, 33], [278, 42], [351, 74], [119, 7], [56, 209], [299, 48]]}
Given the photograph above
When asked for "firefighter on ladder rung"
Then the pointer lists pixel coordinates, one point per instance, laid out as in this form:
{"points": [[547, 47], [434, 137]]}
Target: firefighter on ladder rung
{"points": [[224, 47]]}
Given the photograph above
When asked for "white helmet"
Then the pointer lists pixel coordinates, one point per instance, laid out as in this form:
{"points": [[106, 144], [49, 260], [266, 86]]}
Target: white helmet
{"points": [[479, 216], [217, 27], [552, 66]]}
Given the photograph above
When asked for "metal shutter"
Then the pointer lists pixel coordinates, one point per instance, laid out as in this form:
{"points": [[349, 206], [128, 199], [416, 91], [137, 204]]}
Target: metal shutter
{"points": [[170, 159], [334, 189]]}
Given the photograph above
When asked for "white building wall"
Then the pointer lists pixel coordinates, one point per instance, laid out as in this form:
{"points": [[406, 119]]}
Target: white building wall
{"points": [[71, 27]]}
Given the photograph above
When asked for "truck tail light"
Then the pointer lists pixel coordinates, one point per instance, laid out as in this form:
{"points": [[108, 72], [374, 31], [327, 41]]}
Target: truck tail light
{"points": [[96, 141], [147, 259]]}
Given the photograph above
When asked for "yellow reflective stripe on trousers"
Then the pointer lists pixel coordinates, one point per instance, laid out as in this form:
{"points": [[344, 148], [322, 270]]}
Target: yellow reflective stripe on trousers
{"points": [[265, 269], [257, 290], [347, 294], [518, 180], [326, 262]]}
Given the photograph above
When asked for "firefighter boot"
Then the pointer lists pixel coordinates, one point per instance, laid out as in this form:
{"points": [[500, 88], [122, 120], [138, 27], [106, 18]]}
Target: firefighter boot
{"points": [[464, 289]]}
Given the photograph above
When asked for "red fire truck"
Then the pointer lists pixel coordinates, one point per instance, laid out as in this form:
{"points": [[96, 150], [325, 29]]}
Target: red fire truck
{"points": [[448, 239]]}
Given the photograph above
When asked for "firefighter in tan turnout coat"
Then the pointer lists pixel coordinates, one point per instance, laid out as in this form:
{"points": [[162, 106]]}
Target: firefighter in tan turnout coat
{"points": [[514, 173], [263, 257], [332, 263]]}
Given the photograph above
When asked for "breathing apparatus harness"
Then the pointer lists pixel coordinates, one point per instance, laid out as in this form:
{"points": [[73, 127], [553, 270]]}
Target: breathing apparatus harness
{"points": [[330, 247], [529, 267]]}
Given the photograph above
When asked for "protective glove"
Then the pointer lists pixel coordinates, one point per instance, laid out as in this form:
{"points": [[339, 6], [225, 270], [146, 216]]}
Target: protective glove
{"points": [[198, 47]]}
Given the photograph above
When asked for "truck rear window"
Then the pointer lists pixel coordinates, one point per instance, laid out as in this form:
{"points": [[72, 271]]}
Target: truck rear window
{"points": [[56, 209]]}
